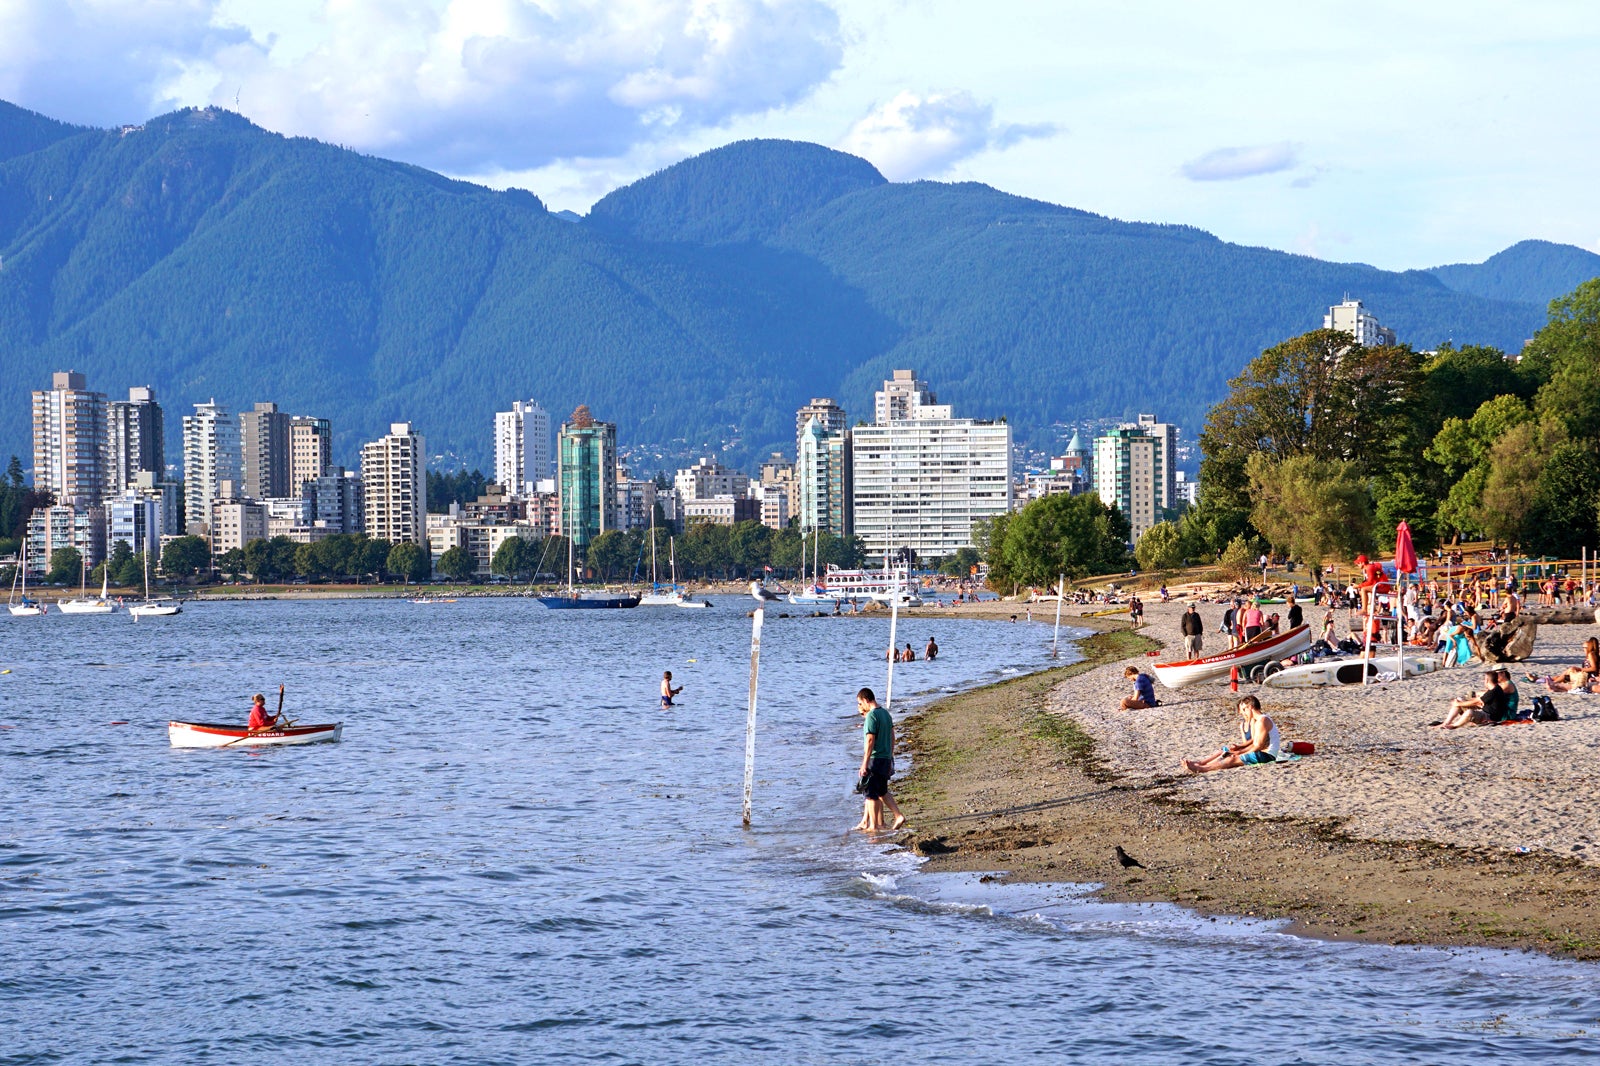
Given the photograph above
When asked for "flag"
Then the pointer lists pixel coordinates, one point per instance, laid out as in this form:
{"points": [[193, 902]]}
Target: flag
{"points": [[768, 569]]}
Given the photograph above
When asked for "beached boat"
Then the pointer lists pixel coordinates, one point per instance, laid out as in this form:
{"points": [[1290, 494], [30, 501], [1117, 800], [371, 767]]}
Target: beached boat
{"points": [[1348, 671], [216, 735], [22, 607], [1183, 674]]}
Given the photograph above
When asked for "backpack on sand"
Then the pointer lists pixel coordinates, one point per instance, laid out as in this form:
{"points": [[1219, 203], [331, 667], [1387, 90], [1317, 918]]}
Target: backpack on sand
{"points": [[1544, 709]]}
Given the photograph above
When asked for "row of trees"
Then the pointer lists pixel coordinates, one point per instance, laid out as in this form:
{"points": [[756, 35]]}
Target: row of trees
{"points": [[706, 551], [1322, 447]]}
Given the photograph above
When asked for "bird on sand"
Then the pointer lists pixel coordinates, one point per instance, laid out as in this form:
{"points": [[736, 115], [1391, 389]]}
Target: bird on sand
{"points": [[1128, 861]]}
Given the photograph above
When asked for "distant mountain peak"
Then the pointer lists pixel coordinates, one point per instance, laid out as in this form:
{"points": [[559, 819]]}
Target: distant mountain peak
{"points": [[745, 191], [23, 131], [1530, 271]]}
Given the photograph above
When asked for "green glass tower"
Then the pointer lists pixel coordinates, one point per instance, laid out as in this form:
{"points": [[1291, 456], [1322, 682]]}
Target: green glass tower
{"points": [[587, 473]]}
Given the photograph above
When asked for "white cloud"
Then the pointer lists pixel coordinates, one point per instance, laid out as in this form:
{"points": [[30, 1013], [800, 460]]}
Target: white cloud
{"points": [[462, 85], [915, 136], [1231, 164]]}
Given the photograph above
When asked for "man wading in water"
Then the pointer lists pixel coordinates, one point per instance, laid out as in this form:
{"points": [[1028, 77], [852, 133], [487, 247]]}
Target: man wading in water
{"points": [[877, 763]]}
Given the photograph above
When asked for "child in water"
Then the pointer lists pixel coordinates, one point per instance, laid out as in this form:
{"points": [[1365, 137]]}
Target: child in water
{"points": [[667, 691]]}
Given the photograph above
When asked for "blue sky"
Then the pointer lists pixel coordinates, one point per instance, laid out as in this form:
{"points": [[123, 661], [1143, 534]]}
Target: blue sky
{"points": [[1403, 135]]}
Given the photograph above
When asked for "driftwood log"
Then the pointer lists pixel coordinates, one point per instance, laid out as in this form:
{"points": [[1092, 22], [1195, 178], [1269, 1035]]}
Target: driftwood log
{"points": [[1510, 642]]}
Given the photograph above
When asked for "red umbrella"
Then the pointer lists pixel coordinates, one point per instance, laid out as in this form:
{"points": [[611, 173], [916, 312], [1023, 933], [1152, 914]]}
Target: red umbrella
{"points": [[1405, 556]]}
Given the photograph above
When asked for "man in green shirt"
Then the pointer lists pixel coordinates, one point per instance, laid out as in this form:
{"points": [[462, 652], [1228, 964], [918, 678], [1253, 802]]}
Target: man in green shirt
{"points": [[877, 763]]}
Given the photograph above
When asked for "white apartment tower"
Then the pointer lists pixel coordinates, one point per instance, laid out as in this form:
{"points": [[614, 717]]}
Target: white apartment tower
{"points": [[135, 440], [394, 486], [1350, 317], [521, 448], [69, 438], [1134, 471], [921, 477], [210, 457]]}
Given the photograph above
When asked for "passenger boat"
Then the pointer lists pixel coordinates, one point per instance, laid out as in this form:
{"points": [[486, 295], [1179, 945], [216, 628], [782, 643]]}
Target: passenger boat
{"points": [[1348, 671], [214, 735], [844, 586], [1183, 674]]}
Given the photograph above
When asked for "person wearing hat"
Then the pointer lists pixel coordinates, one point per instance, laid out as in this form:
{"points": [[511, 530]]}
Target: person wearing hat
{"points": [[1192, 628]]}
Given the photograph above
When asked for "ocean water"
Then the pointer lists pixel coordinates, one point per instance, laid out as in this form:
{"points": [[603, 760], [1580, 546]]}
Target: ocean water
{"points": [[515, 856]]}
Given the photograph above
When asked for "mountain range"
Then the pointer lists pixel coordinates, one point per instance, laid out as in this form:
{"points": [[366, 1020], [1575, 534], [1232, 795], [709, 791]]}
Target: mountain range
{"points": [[696, 308]]}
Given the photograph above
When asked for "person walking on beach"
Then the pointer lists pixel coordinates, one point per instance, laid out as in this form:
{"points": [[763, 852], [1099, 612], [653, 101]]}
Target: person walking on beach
{"points": [[1228, 618], [667, 691], [1136, 611], [877, 763], [1192, 629], [1295, 612]]}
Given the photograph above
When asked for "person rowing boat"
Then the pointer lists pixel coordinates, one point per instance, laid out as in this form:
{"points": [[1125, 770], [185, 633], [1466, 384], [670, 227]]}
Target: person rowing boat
{"points": [[259, 718]]}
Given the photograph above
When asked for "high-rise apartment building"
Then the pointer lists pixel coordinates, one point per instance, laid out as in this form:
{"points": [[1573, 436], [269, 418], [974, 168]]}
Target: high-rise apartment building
{"points": [[396, 490], [1134, 471], [921, 477], [337, 500], [69, 440], [521, 448], [822, 479], [310, 450], [709, 478], [1350, 317], [135, 440], [586, 476], [828, 415], [264, 444], [901, 395], [210, 457]]}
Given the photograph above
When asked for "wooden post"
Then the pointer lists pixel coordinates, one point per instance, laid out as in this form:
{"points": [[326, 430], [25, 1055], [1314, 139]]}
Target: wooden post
{"points": [[1061, 594], [750, 722]]}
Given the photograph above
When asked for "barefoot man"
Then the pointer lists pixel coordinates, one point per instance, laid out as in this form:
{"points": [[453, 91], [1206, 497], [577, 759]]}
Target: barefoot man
{"points": [[877, 763]]}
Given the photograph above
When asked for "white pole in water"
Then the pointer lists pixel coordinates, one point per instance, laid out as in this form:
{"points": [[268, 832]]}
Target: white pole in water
{"points": [[750, 722], [894, 622], [1061, 594]]}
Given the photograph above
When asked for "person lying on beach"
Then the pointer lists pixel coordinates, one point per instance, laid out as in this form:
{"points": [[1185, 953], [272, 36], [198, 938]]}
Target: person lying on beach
{"points": [[1144, 690], [1477, 710], [1258, 742]]}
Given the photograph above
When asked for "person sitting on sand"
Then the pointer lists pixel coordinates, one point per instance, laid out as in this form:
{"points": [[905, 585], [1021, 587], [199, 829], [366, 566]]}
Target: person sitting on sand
{"points": [[1258, 742], [1577, 677], [1509, 690], [1144, 691], [1477, 710]]}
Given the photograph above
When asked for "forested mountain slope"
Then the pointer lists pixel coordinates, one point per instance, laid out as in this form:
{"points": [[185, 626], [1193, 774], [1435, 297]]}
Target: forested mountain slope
{"points": [[1529, 271], [207, 257]]}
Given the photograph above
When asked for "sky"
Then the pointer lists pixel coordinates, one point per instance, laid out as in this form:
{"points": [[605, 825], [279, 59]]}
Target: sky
{"points": [[1403, 135]]}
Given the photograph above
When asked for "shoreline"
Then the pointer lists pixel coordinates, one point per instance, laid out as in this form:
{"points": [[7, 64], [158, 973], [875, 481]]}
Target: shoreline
{"points": [[1017, 778]]}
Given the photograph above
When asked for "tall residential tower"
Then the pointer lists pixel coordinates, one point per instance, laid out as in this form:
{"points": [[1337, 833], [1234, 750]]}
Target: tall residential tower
{"points": [[210, 457], [521, 448], [587, 476], [69, 440], [396, 491]]}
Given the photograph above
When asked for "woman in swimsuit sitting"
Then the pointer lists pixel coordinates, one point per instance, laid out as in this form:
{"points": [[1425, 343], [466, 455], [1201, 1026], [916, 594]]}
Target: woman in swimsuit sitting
{"points": [[1582, 677], [1259, 743]]}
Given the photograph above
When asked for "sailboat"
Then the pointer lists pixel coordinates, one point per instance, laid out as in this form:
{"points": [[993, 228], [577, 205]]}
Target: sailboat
{"points": [[161, 608], [665, 595], [572, 599], [83, 604], [23, 608]]}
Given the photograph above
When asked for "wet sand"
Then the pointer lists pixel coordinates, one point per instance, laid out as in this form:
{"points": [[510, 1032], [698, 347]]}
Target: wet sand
{"points": [[1391, 832]]}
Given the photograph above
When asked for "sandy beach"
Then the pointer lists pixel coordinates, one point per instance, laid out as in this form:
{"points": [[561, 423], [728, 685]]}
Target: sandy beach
{"points": [[1391, 831]]}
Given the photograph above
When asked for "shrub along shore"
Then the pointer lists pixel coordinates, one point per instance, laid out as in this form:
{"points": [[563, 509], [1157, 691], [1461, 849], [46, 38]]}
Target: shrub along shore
{"points": [[1392, 832]]}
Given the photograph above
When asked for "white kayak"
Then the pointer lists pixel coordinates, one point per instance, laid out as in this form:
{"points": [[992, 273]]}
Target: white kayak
{"points": [[1191, 671], [214, 735], [1347, 671]]}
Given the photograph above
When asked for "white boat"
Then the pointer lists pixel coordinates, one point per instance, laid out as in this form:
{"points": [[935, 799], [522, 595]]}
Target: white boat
{"points": [[665, 595], [158, 608], [848, 586], [218, 735], [1191, 671], [22, 607], [85, 604], [1347, 671]]}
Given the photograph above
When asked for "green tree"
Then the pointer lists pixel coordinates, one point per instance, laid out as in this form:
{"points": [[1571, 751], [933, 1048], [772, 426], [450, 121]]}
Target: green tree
{"points": [[409, 561], [370, 558], [1073, 535], [515, 558], [1207, 528], [1404, 498], [749, 547], [960, 563], [117, 561], [66, 565], [1563, 519], [1238, 559], [457, 564], [131, 573], [185, 557], [1319, 395], [610, 555], [1457, 381], [1565, 354], [1516, 463], [1310, 508], [1161, 548], [231, 563]]}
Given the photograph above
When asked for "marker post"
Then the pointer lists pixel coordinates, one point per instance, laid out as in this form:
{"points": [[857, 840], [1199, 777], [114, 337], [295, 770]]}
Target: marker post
{"points": [[750, 722]]}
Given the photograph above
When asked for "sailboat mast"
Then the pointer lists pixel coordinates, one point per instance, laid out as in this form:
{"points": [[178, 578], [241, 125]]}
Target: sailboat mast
{"points": [[655, 581]]}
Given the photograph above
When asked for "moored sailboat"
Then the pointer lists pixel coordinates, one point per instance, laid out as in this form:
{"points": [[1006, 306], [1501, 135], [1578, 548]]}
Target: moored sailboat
{"points": [[84, 604], [573, 599], [23, 607], [158, 608]]}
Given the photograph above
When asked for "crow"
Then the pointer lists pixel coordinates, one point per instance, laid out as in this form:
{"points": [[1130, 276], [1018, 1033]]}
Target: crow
{"points": [[1128, 861]]}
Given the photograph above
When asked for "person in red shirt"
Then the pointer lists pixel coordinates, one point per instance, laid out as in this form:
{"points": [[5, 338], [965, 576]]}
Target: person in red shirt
{"points": [[259, 718]]}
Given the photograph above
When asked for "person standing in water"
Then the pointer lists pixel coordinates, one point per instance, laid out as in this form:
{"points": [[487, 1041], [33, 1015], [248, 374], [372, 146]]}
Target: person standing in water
{"points": [[877, 763], [931, 652], [667, 691]]}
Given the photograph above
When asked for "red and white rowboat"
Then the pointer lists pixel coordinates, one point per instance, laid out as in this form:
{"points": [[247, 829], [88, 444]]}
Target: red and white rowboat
{"points": [[1184, 674], [212, 735]]}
